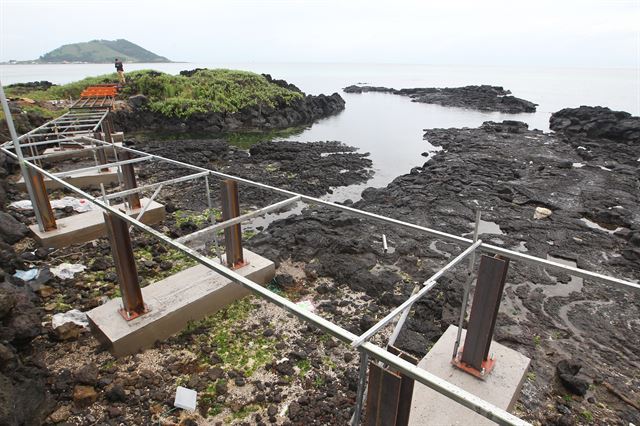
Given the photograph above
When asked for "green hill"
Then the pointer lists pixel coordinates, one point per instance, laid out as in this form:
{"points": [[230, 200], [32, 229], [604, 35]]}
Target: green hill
{"points": [[101, 51]]}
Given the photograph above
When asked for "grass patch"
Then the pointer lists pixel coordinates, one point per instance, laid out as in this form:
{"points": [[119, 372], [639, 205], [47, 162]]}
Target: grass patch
{"points": [[179, 261], [209, 90], [238, 350], [304, 366], [182, 217], [587, 415], [243, 412], [537, 340]]}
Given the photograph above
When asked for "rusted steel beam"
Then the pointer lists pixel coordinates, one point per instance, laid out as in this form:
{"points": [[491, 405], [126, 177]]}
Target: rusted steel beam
{"points": [[107, 128], [129, 178], [406, 388], [122, 251], [492, 275], [42, 204], [382, 397], [232, 234], [100, 153]]}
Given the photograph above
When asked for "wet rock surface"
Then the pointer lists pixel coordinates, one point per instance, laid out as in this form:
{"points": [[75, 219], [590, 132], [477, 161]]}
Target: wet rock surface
{"points": [[482, 98], [311, 168]]}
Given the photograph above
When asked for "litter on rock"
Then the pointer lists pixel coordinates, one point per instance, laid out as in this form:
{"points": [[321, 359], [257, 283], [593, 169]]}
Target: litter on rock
{"points": [[185, 399], [75, 316], [306, 304], [541, 213], [80, 205], [66, 271], [27, 275]]}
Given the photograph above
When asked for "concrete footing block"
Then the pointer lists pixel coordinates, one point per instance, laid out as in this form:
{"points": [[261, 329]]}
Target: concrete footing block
{"points": [[71, 153], [88, 179], [189, 295], [88, 226], [501, 387]]}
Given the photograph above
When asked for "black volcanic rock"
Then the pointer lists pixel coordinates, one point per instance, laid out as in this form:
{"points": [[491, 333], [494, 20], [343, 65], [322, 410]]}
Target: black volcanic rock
{"points": [[599, 133], [506, 171], [597, 122], [483, 98]]}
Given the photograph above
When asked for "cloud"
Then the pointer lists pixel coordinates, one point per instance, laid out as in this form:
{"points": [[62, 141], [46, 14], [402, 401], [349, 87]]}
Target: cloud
{"points": [[490, 32]]}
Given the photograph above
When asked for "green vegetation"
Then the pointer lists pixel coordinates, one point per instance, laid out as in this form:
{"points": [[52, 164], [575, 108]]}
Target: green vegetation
{"points": [[48, 114], [179, 261], [100, 51], [304, 366], [61, 305], [588, 416], [319, 381], [238, 350], [537, 340], [66, 91], [217, 90], [183, 217], [243, 412]]}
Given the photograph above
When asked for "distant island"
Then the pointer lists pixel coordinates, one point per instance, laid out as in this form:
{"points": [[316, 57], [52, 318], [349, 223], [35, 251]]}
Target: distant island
{"points": [[97, 51]]}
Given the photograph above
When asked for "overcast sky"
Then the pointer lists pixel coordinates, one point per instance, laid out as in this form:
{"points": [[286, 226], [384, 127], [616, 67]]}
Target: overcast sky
{"points": [[583, 33]]}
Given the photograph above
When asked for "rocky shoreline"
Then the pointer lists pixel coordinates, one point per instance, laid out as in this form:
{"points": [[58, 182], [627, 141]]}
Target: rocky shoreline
{"points": [[335, 263], [482, 98], [507, 171], [133, 115]]}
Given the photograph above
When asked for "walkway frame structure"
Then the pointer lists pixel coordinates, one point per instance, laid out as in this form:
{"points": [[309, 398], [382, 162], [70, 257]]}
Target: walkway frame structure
{"points": [[366, 348]]}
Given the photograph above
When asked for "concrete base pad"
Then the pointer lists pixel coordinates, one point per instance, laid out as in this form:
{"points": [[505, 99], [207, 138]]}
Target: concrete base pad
{"points": [[501, 387], [88, 226], [71, 153], [87, 179], [186, 296]]}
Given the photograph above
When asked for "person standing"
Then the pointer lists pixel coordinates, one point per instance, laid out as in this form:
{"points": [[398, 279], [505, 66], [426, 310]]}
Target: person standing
{"points": [[120, 70]]}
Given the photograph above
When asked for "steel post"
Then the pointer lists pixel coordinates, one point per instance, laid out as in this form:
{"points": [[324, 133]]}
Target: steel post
{"points": [[102, 156], [107, 129], [467, 288], [122, 251], [42, 204], [232, 234], [362, 384], [129, 178], [212, 217]]}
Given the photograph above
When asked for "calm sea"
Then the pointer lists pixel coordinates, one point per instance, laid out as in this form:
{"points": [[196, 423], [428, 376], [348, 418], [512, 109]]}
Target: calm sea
{"points": [[390, 127]]}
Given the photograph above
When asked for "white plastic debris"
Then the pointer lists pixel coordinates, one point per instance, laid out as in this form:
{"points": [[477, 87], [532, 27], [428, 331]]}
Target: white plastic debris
{"points": [[21, 205], [67, 270], [27, 275], [541, 213], [185, 399], [307, 305], [80, 205], [75, 316]]}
